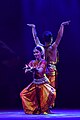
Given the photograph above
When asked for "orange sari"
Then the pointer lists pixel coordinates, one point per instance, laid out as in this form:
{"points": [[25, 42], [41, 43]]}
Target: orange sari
{"points": [[38, 96]]}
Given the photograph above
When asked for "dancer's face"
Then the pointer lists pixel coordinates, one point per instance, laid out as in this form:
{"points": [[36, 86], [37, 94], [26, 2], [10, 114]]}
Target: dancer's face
{"points": [[37, 53]]}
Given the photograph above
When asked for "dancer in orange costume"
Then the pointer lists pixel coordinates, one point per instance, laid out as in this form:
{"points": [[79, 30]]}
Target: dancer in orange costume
{"points": [[39, 95]]}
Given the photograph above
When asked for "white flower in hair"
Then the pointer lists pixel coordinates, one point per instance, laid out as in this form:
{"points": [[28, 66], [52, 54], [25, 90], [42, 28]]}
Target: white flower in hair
{"points": [[42, 48]]}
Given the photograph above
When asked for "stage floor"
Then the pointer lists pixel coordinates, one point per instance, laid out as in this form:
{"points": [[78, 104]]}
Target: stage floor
{"points": [[56, 115]]}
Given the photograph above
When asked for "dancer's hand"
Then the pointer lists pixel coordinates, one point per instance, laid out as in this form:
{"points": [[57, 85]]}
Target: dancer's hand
{"points": [[26, 66], [65, 23], [33, 69], [31, 25], [28, 70]]}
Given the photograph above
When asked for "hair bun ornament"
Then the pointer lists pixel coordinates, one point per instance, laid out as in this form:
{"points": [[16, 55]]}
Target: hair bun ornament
{"points": [[42, 49]]}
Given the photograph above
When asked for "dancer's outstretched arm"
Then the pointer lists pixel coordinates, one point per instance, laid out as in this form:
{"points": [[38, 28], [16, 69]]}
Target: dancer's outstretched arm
{"points": [[60, 33], [36, 39]]}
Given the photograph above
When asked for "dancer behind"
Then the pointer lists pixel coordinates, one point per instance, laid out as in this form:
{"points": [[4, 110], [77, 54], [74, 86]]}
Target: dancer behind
{"points": [[39, 95], [51, 52]]}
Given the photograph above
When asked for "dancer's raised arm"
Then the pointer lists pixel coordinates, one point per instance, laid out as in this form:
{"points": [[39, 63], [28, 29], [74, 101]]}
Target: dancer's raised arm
{"points": [[36, 39], [60, 33]]}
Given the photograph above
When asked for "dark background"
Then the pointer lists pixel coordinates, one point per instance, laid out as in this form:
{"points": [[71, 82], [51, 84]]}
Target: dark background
{"points": [[16, 48]]}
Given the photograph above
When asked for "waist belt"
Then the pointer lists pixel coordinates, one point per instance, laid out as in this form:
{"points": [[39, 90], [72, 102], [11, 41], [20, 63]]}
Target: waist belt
{"points": [[41, 80], [54, 63]]}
